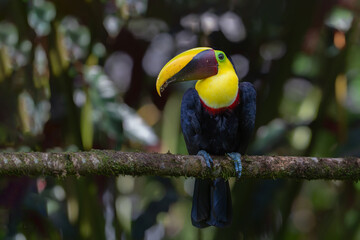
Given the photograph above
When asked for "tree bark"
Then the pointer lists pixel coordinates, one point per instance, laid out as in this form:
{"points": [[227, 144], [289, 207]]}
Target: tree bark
{"points": [[112, 163]]}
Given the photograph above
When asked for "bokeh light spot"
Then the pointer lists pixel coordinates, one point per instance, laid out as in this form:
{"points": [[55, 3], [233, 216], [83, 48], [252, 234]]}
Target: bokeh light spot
{"points": [[158, 53], [232, 26], [209, 22], [118, 67], [300, 137]]}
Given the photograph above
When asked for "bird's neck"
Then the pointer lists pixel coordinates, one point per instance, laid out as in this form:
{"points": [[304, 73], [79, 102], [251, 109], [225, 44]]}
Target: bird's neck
{"points": [[219, 91]]}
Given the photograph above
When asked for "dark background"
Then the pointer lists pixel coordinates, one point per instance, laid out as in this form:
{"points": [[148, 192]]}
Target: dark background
{"points": [[77, 75]]}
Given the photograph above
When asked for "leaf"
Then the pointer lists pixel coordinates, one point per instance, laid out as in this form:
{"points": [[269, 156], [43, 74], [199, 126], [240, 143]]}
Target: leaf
{"points": [[87, 129]]}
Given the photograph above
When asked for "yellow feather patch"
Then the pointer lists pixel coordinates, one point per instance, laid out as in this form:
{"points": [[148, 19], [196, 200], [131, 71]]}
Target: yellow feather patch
{"points": [[220, 90]]}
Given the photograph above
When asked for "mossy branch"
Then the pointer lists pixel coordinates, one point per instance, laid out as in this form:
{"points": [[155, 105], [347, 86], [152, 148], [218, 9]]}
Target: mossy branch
{"points": [[112, 163]]}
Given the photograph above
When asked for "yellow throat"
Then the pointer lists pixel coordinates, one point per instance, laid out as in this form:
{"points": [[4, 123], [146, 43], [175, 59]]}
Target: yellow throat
{"points": [[220, 90]]}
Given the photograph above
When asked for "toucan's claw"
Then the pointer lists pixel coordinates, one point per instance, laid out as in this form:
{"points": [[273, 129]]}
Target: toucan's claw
{"points": [[206, 156], [237, 160]]}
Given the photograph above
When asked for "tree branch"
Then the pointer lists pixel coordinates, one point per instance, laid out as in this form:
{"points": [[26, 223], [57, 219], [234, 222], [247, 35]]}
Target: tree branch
{"points": [[112, 163]]}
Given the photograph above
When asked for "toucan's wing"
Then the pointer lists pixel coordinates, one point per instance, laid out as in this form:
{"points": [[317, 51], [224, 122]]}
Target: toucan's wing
{"points": [[247, 113], [191, 128], [190, 120]]}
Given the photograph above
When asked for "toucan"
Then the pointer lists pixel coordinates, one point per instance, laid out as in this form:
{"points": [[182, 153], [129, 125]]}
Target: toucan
{"points": [[217, 118]]}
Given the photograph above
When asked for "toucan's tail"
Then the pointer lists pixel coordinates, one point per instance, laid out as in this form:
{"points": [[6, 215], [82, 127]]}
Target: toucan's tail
{"points": [[211, 203]]}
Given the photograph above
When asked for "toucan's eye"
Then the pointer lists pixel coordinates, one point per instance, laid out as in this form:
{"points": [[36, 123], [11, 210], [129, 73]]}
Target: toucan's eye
{"points": [[221, 56]]}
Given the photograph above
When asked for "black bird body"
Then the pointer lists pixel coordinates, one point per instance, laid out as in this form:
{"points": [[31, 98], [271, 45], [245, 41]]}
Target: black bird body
{"points": [[218, 133]]}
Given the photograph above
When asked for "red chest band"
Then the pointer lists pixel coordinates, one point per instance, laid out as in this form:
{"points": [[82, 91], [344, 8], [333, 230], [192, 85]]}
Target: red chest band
{"points": [[223, 109]]}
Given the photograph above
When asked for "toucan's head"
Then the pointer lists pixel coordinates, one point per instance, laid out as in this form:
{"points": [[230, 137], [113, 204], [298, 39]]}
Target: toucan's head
{"points": [[218, 82]]}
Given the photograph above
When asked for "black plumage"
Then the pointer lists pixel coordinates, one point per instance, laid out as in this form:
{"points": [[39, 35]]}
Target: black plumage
{"points": [[216, 133]]}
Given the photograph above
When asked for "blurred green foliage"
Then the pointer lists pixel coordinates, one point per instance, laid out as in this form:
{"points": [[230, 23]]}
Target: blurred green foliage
{"points": [[77, 75]]}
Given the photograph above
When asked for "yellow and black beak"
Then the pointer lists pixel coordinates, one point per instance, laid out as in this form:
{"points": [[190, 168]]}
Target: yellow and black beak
{"points": [[194, 64]]}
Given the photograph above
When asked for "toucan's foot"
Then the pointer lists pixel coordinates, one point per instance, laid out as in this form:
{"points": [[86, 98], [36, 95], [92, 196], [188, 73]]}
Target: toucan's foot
{"points": [[237, 160], [206, 156]]}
